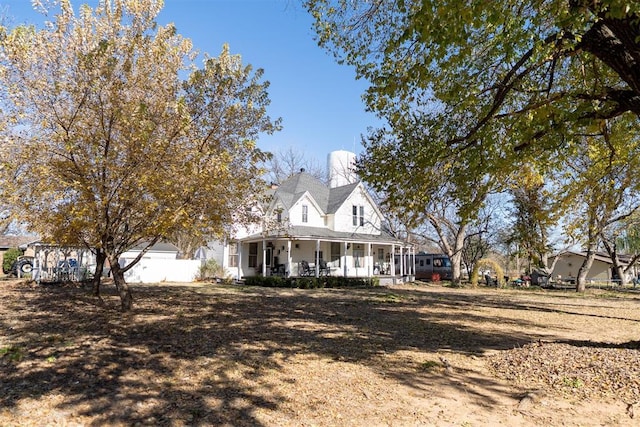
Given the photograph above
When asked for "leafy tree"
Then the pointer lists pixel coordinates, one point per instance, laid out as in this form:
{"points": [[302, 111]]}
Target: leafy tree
{"points": [[108, 146], [510, 82], [9, 258], [481, 238], [531, 70], [422, 191], [535, 212], [600, 185]]}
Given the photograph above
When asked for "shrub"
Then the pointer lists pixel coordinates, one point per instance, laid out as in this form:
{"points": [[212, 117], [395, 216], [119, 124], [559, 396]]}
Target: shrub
{"points": [[310, 282], [210, 269], [9, 258]]}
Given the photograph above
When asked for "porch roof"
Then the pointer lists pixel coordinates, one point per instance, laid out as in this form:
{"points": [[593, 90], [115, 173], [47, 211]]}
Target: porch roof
{"points": [[315, 233]]}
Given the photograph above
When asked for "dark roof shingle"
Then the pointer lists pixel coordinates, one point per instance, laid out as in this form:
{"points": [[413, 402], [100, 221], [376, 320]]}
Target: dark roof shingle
{"points": [[329, 199]]}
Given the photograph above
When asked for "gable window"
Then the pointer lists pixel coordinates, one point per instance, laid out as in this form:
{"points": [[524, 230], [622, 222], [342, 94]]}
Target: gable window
{"points": [[279, 215], [253, 255], [358, 215], [305, 213], [233, 254]]}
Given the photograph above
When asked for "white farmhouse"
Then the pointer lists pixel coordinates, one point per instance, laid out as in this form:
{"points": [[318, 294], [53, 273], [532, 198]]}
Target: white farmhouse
{"points": [[311, 229]]}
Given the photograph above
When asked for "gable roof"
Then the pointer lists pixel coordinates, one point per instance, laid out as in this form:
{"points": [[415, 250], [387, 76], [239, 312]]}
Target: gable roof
{"points": [[328, 199], [294, 187], [339, 195]]}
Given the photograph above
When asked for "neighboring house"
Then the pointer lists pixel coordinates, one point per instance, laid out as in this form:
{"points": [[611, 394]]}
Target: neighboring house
{"points": [[12, 242], [54, 262], [159, 264], [50, 261], [309, 228], [601, 270], [161, 250]]}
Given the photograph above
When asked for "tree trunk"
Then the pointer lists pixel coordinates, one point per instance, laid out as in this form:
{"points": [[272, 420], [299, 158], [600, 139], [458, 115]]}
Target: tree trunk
{"points": [[614, 42], [456, 255], [581, 280], [126, 300], [456, 268], [622, 275], [97, 277], [617, 269]]}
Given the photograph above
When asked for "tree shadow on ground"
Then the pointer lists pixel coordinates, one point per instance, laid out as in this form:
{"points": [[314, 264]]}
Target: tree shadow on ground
{"points": [[138, 367]]}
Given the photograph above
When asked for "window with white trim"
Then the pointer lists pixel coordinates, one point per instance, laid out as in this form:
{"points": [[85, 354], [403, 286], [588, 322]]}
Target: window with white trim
{"points": [[305, 213], [253, 254], [358, 215], [233, 254]]}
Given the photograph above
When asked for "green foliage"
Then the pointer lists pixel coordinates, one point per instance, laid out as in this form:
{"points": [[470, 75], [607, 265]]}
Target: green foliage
{"points": [[389, 298], [535, 212], [311, 282], [9, 258], [430, 365], [487, 263], [572, 382], [211, 269], [13, 353], [475, 92], [134, 140]]}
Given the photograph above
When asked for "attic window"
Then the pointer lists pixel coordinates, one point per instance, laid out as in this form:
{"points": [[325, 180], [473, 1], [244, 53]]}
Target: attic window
{"points": [[358, 215], [305, 213]]}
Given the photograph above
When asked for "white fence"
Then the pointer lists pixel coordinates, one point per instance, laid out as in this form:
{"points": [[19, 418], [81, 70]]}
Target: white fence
{"points": [[162, 270]]}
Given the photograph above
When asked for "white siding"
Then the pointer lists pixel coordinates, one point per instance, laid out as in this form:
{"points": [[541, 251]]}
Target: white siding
{"points": [[162, 270], [568, 266], [343, 220], [315, 217]]}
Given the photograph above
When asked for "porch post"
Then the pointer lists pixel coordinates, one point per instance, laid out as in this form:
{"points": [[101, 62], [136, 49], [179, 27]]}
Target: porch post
{"points": [[239, 259], [413, 261], [402, 261], [393, 261], [344, 258], [288, 270], [317, 260], [369, 261], [264, 258]]}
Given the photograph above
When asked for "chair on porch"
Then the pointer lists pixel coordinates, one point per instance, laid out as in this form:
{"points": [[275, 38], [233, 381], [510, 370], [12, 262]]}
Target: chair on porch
{"points": [[324, 268], [380, 268], [304, 269], [278, 269]]}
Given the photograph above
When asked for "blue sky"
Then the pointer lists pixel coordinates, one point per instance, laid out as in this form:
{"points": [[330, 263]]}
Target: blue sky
{"points": [[318, 99]]}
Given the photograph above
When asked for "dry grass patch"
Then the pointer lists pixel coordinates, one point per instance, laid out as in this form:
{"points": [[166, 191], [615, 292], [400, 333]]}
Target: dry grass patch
{"points": [[229, 355]]}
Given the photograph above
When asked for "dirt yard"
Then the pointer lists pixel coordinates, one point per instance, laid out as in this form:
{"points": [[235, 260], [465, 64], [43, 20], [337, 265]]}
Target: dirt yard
{"points": [[426, 355]]}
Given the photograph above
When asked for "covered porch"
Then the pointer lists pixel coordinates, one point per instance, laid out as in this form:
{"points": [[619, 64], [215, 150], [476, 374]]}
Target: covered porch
{"points": [[326, 253]]}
